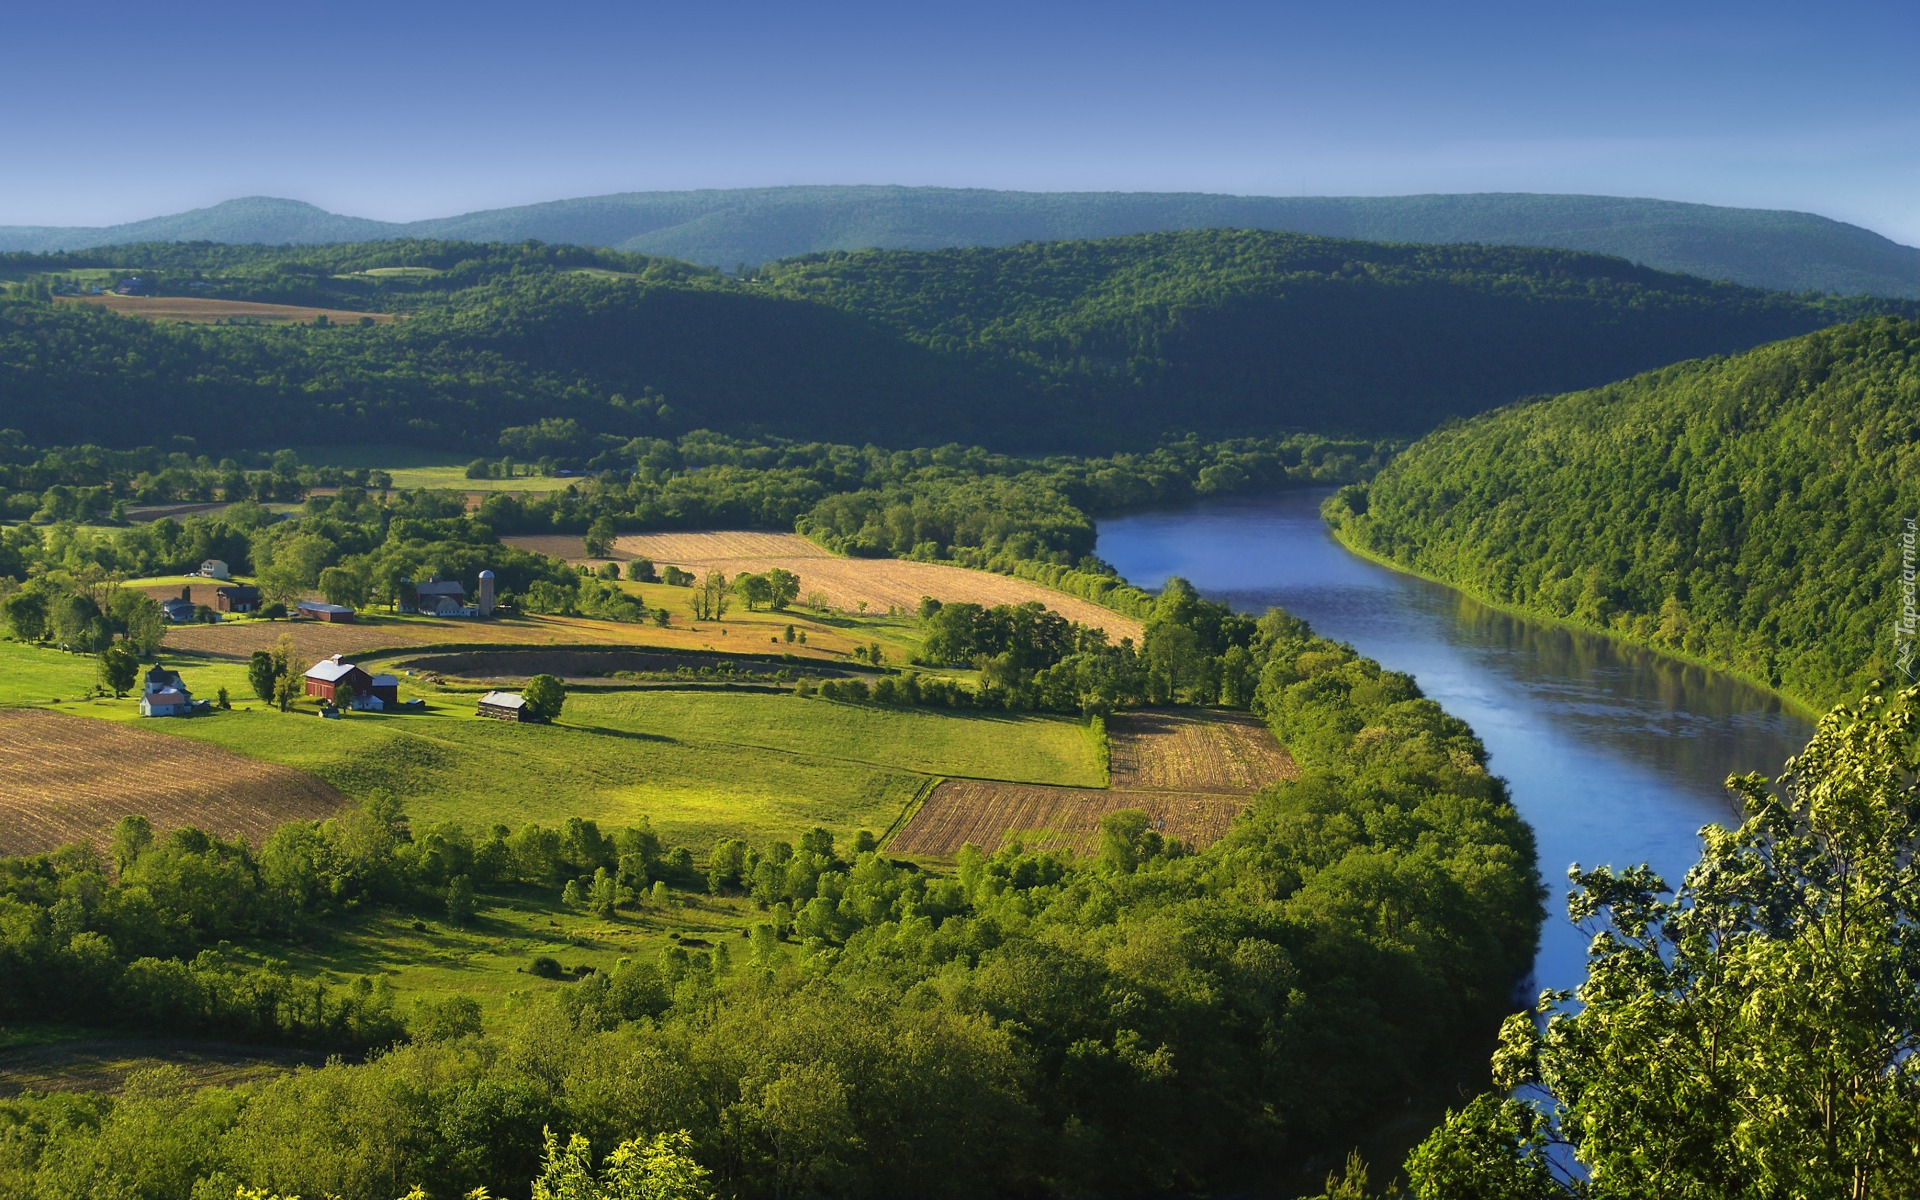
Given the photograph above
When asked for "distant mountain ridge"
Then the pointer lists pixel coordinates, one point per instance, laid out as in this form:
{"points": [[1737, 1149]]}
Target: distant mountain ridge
{"points": [[1769, 248]]}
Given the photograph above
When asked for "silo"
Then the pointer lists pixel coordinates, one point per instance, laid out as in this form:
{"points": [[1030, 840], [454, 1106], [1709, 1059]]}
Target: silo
{"points": [[486, 593]]}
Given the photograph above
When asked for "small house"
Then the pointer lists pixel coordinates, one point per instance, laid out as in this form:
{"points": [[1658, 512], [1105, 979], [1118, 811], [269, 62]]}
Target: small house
{"points": [[167, 702], [162, 694], [333, 614], [239, 598], [505, 706], [158, 679], [215, 568], [178, 610]]}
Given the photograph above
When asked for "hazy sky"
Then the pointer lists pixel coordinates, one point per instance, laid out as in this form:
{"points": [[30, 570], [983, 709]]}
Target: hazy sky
{"points": [[400, 110]]}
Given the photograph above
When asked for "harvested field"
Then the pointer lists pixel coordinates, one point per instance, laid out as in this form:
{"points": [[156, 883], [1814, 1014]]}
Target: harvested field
{"points": [[1191, 772], [196, 310], [1172, 751], [986, 813], [65, 778], [845, 582]]}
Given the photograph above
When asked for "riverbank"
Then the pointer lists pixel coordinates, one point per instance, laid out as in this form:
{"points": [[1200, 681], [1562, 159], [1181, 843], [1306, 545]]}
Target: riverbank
{"points": [[1797, 705]]}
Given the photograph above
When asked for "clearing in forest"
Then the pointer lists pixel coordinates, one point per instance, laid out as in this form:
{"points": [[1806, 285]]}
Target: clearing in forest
{"points": [[68, 779], [845, 582], [197, 310], [1191, 772]]}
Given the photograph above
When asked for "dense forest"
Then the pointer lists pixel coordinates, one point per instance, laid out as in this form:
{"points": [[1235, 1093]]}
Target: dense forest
{"points": [[1150, 1019], [1749, 511], [1087, 347]]}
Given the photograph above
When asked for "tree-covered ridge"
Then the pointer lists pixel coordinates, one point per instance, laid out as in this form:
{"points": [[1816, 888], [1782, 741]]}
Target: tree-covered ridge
{"points": [[1745, 510], [721, 227], [1092, 346]]}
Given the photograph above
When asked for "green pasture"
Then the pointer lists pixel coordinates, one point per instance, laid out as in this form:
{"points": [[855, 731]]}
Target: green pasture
{"points": [[1018, 748], [414, 468], [487, 957]]}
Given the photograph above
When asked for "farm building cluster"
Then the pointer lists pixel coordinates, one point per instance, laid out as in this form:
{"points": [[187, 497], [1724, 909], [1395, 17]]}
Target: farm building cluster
{"points": [[448, 598]]}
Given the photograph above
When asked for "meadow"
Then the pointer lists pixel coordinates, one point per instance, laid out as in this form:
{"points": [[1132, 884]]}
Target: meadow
{"points": [[413, 468]]}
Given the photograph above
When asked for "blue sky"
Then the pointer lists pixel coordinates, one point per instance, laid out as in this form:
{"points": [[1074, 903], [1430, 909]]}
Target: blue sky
{"points": [[401, 110]]}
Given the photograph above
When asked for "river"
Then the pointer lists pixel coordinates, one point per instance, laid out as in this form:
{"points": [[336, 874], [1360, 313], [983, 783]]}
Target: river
{"points": [[1613, 754]]}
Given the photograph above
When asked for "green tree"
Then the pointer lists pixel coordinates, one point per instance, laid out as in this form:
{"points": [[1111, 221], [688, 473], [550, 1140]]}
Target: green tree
{"points": [[545, 696], [263, 673], [658, 1168], [460, 901], [287, 690], [345, 586], [26, 614], [119, 667], [753, 590], [783, 588], [1754, 1035], [600, 535], [132, 835]]}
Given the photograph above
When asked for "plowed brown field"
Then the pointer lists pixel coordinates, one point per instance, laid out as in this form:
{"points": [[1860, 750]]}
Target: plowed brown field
{"points": [[67, 779], [1191, 772], [202, 311], [845, 582]]}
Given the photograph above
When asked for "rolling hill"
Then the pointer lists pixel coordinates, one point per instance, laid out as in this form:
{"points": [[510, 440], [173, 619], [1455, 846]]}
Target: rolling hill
{"points": [[1758, 247], [1747, 510], [1081, 346]]}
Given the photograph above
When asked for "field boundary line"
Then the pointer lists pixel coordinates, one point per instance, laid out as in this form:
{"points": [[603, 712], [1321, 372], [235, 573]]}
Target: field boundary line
{"points": [[910, 808]]}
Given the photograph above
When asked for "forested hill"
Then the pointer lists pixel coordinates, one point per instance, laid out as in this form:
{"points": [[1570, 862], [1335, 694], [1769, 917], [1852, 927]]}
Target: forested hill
{"points": [[1080, 346], [1745, 510], [1758, 247]]}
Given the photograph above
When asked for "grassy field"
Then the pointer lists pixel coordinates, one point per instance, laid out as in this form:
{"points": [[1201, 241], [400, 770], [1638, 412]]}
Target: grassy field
{"points": [[412, 468], [424, 956], [34, 675], [931, 741]]}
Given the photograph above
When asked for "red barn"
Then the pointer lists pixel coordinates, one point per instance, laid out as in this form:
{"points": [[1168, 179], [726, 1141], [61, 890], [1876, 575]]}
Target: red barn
{"points": [[327, 676]]}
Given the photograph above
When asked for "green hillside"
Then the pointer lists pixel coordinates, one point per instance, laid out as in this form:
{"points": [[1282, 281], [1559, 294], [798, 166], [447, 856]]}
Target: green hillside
{"points": [[1058, 346], [1744, 510], [1757, 247]]}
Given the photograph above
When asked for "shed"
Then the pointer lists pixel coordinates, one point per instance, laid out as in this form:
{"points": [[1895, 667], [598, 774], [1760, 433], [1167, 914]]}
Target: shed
{"points": [[334, 614], [215, 568], [238, 598], [505, 706]]}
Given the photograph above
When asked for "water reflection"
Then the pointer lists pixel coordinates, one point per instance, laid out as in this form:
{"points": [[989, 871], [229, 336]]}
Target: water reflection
{"points": [[1615, 754]]}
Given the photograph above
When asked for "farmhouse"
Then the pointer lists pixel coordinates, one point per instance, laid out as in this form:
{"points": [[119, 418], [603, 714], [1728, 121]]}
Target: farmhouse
{"points": [[328, 677], [163, 695], [215, 568], [238, 598], [505, 706], [178, 610], [333, 614]]}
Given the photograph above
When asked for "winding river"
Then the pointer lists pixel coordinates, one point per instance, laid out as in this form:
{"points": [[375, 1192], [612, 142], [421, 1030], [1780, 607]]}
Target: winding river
{"points": [[1614, 754]]}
